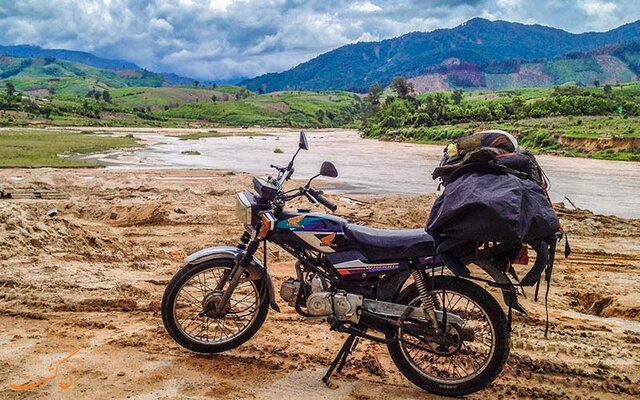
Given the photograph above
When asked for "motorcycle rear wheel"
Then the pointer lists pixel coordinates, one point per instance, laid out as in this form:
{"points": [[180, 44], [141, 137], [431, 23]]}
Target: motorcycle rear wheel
{"points": [[184, 301], [477, 360]]}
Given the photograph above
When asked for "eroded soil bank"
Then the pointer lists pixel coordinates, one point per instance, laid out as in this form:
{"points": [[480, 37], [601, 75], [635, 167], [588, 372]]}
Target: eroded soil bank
{"points": [[91, 279]]}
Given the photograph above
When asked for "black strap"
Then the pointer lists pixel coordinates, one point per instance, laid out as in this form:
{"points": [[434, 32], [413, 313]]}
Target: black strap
{"points": [[567, 246], [542, 259], [547, 276]]}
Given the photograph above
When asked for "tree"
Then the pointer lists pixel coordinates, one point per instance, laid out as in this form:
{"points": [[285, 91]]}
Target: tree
{"points": [[456, 96], [394, 113], [196, 83], [596, 83], [97, 95], [607, 89], [402, 87], [106, 96], [11, 89], [375, 91], [214, 98]]}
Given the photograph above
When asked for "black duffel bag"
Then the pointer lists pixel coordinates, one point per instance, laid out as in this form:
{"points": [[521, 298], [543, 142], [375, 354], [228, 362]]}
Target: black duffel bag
{"points": [[490, 205]]}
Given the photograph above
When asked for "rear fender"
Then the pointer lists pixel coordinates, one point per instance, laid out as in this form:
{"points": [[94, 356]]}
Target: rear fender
{"points": [[459, 268], [509, 295], [256, 269]]}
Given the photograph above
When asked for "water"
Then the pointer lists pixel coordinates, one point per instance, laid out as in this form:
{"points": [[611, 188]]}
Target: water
{"points": [[369, 166]]}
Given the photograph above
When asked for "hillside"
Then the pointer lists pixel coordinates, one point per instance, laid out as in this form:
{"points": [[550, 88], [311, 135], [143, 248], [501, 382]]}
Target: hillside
{"points": [[478, 41], [300, 109], [163, 98], [45, 76], [610, 64], [27, 51], [82, 57]]}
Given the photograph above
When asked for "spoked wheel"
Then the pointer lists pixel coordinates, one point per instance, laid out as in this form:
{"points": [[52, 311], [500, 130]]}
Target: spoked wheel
{"points": [[189, 308], [464, 358]]}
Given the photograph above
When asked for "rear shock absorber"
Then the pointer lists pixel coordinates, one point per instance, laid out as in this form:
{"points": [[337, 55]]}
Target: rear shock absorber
{"points": [[427, 300]]}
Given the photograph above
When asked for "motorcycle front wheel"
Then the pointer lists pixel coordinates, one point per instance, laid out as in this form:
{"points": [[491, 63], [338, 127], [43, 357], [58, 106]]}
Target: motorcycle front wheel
{"points": [[189, 302], [467, 356]]}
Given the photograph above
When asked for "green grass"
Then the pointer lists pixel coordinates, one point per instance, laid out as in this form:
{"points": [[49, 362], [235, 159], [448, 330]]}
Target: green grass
{"points": [[164, 98], [539, 134], [296, 109], [39, 148]]}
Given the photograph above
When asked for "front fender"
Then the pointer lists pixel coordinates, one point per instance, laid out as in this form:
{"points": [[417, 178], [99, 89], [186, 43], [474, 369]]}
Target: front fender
{"points": [[231, 253]]}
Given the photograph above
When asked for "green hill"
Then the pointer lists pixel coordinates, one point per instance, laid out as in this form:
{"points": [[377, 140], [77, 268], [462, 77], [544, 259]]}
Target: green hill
{"points": [[302, 109], [477, 42], [163, 98], [46, 76]]}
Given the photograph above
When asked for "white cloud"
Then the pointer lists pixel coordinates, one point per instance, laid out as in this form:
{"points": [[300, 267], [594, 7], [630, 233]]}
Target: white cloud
{"points": [[365, 6], [598, 8], [160, 24]]}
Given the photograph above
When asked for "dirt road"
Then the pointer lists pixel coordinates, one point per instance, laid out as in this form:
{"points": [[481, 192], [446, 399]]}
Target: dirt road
{"points": [[80, 295]]}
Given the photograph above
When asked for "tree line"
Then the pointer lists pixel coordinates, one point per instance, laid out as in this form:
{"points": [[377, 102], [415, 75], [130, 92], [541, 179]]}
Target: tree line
{"points": [[404, 109]]}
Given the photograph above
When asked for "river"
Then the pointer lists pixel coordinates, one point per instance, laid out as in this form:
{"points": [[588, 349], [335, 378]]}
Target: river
{"points": [[374, 167]]}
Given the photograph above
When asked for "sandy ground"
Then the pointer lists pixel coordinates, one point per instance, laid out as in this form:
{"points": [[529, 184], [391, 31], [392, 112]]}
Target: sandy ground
{"points": [[80, 295]]}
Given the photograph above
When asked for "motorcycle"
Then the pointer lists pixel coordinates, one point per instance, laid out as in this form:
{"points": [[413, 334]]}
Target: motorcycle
{"points": [[445, 334]]}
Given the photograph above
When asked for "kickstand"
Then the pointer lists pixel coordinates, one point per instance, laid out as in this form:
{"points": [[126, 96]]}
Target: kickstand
{"points": [[341, 358]]}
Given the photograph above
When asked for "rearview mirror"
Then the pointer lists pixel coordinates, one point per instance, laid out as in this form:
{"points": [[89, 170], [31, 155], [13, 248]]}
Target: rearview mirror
{"points": [[302, 144], [329, 170]]}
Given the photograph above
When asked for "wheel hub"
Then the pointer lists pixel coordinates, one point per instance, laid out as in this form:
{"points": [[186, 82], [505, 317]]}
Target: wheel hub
{"points": [[210, 305], [448, 342]]}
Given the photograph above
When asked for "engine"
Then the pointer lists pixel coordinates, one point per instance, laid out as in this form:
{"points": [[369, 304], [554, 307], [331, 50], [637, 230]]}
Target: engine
{"points": [[289, 291], [324, 303]]}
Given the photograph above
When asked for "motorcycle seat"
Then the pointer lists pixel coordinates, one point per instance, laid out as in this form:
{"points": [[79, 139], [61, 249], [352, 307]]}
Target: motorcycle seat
{"points": [[388, 244]]}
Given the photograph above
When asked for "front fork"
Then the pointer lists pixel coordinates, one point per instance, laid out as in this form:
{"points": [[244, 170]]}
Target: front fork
{"points": [[243, 259]]}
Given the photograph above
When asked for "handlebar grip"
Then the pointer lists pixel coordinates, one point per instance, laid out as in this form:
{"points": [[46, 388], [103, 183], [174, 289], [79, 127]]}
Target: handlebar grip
{"points": [[323, 200]]}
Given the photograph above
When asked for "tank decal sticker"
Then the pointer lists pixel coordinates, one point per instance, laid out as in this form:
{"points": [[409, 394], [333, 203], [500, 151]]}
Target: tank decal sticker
{"points": [[358, 267], [308, 223], [319, 240]]}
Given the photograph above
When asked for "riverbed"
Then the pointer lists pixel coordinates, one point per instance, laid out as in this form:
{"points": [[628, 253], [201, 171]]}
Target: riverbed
{"points": [[373, 167]]}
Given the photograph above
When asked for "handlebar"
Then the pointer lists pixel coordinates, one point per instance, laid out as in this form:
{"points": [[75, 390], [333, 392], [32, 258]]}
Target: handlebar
{"points": [[321, 199]]}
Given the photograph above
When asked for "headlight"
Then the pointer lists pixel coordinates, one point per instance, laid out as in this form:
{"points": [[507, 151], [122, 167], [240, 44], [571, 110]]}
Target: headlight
{"points": [[243, 208]]}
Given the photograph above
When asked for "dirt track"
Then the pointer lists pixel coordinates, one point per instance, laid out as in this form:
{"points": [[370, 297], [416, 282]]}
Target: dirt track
{"points": [[92, 277]]}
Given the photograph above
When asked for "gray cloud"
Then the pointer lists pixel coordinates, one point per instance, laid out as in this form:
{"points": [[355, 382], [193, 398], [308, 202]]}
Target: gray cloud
{"points": [[223, 39]]}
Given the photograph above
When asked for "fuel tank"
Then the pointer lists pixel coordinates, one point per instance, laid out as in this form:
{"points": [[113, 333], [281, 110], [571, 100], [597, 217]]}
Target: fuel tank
{"points": [[323, 232]]}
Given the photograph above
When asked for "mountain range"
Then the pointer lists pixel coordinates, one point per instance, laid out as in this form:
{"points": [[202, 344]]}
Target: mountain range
{"points": [[478, 43], [479, 54]]}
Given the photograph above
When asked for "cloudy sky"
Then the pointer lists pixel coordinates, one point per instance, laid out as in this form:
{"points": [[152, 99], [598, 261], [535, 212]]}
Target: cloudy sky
{"points": [[225, 39]]}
